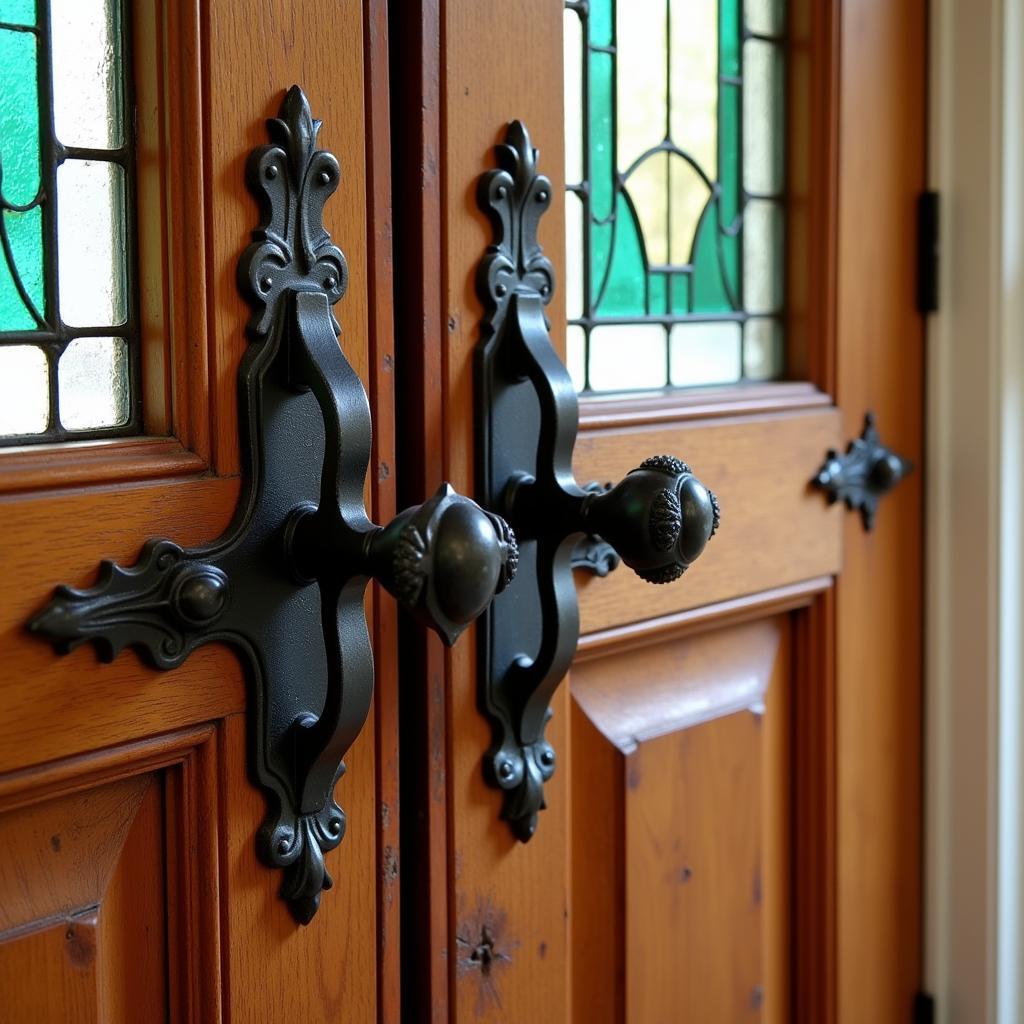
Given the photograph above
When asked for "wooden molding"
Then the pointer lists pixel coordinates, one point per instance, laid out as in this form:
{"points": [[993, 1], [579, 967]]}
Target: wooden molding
{"points": [[680, 406], [80, 463], [710, 616]]}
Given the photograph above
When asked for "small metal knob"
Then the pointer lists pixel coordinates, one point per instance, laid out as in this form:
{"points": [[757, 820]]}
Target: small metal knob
{"points": [[659, 518], [864, 474]]}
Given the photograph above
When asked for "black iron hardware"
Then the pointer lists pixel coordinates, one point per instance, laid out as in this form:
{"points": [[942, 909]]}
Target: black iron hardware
{"points": [[284, 584], [867, 471], [928, 252], [657, 520]]}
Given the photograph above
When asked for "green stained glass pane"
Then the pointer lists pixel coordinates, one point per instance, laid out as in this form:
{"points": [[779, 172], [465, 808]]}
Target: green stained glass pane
{"points": [[601, 20], [699, 103], [709, 286], [625, 292], [601, 236], [602, 150], [657, 294], [729, 153], [729, 36], [19, 185], [18, 12]]}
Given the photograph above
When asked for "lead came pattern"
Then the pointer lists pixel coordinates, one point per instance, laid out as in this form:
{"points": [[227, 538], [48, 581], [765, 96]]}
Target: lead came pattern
{"points": [[68, 317], [674, 216]]}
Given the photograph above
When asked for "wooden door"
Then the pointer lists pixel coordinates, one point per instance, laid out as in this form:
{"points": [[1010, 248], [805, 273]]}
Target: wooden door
{"points": [[130, 888], [733, 829]]}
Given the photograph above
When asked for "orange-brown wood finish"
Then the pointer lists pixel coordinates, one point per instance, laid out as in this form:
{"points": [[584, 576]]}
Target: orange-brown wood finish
{"points": [[129, 884], [880, 365], [732, 832]]}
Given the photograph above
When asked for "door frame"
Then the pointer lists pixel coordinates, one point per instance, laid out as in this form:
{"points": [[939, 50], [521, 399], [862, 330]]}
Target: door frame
{"points": [[974, 770]]}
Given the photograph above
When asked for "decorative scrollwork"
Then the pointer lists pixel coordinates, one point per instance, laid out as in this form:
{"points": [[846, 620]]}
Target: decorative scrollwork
{"points": [[408, 564], [297, 844], [515, 197], [291, 249], [864, 474], [163, 605], [657, 520]]}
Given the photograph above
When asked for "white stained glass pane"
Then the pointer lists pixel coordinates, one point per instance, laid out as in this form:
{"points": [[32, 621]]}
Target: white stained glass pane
{"points": [[573, 45], [641, 87], [762, 257], [627, 357], [573, 256], [86, 44], [576, 354], [765, 16], [92, 383], [694, 80], [24, 390], [762, 117], [762, 350], [708, 353], [91, 243]]}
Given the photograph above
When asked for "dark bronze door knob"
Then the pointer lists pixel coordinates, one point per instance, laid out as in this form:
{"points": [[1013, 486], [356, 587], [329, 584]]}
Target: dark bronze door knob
{"points": [[443, 560]]}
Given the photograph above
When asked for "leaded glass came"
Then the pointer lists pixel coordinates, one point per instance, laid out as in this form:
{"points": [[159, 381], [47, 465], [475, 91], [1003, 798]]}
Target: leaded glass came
{"points": [[675, 177], [68, 352]]}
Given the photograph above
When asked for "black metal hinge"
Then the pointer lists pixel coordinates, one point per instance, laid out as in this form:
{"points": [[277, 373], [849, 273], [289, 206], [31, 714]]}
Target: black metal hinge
{"points": [[924, 1008], [928, 252]]}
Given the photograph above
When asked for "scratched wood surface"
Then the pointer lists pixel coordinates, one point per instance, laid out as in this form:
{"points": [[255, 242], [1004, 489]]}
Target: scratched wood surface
{"points": [[155, 906]]}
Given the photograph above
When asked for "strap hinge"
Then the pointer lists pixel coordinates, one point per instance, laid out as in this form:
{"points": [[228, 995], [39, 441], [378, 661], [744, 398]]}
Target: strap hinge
{"points": [[928, 252]]}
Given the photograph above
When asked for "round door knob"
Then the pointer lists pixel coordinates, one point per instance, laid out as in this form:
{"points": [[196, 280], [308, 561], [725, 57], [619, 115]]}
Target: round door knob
{"points": [[445, 560], [659, 518]]}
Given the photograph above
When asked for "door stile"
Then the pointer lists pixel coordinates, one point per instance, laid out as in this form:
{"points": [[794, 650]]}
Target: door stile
{"points": [[383, 498], [416, 118]]}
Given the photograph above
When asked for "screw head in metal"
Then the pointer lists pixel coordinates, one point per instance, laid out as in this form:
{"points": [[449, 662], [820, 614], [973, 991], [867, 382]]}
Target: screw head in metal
{"points": [[502, 191], [505, 770], [547, 757], [266, 283], [500, 290], [271, 171], [542, 196], [330, 282], [325, 177]]}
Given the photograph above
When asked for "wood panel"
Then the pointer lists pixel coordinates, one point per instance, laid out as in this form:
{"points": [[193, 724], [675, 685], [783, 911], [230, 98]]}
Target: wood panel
{"points": [[681, 820], [776, 529], [277, 970], [879, 595], [94, 883], [499, 62], [52, 707]]}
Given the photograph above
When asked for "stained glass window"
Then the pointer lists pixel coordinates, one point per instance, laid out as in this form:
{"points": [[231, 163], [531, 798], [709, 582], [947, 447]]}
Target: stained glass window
{"points": [[68, 353], [675, 178]]}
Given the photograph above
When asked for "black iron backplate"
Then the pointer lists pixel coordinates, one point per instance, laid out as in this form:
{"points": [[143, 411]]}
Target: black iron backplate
{"points": [[284, 584], [865, 473], [657, 519]]}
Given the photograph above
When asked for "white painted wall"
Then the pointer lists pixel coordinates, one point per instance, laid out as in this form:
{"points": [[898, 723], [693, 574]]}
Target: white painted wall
{"points": [[974, 890]]}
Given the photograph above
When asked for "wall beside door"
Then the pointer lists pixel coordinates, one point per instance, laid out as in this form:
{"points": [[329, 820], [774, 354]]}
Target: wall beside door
{"points": [[974, 935]]}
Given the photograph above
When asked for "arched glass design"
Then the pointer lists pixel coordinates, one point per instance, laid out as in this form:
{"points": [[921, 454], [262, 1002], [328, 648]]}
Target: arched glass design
{"points": [[675, 182]]}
